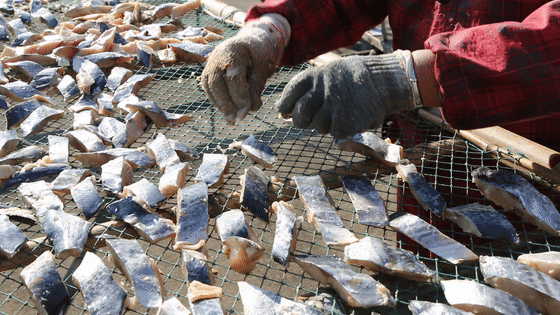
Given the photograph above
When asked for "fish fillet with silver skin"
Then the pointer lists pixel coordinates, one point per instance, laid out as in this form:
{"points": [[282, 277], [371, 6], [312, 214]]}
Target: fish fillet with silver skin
{"points": [[192, 217], [67, 231], [369, 206], [430, 308], [426, 195], [11, 237], [357, 289], [254, 192], [172, 306], [146, 191], [195, 267], [371, 145], [285, 234], [173, 178], [258, 152], [212, 169]]}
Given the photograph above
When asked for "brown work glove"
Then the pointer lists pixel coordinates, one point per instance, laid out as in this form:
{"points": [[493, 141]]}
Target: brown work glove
{"points": [[237, 69]]}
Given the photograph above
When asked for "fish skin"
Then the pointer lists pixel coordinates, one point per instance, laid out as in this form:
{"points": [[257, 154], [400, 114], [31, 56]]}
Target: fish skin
{"points": [[482, 221], [140, 270], [90, 71], [192, 217], [109, 127], [173, 178], [20, 91], [516, 194], [206, 307], [116, 174], [109, 59], [85, 102], [105, 103], [87, 197], [117, 76], [357, 289], [67, 179], [371, 145], [285, 235], [48, 292], [135, 125], [58, 148], [11, 237], [321, 211], [254, 192], [35, 173], [426, 195], [25, 39], [232, 223], [159, 117], [145, 54], [545, 262], [258, 301], [147, 192], [195, 267], [212, 169], [9, 140], [183, 150], [258, 152], [17, 27], [369, 206], [190, 51], [378, 256], [135, 157], [531, 286], [68, 232], [17, 114], [27, 68], [430, 308], [431, 238], [38, 119], [47, 78], [132, 86], [162, 152], [68, 88], [172, 306], [24, 16], [26, 154], [85, 141], [40, 197], [149, 225], [102, 295], [242, 253]]}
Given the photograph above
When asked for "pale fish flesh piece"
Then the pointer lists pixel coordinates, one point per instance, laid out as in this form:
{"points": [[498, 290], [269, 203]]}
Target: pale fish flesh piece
{"points": [[431, 238], [84, 119], [145, 191], [482, 221], [254, 192], [232, 223], [325, 299], [149, 225], [132, 86], [135, 126], [162, 152], [9, 140], [58, 149], [369, 206], [117, 76], [212, 169], [11, 237], [257, 301], [18, 214], [68, 232], [426, 195], [192, 217], [189, 51], [85, 141], [135, 157], [159, 117], [6, 172], [478, 298], [25, 39], [199, 291], [172, 306], [195, 267], [87, 197], [285, 235], [258, 152], [184, 8], [46, 79], [514, 193], [34, 171], [102, 295], [67, 179], [20, 91], [38, 119], [16, 114], [40, 197], [48, 292], [174, 178], [533, 287], [430, 308], [145, 54], [140, 270], [29, 69], [85, 102], [116, 174], [183, 150], [379, 256], [242, 253], [357, 289], [110, 127], [321, 211], [68, 87], [90, 78], [372, 146], [105, 104], [545, 262], [26, 154]]}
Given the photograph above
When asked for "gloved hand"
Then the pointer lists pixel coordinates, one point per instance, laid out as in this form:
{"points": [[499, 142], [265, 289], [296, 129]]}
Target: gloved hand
{"points": [[352, 94], [237, 69]]}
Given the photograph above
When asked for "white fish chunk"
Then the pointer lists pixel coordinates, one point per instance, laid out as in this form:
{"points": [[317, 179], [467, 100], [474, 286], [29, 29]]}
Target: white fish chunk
{"points": [[68, 87], [357, 289], [258, 152], [85, 141], [160, 117], [87, 197], [426, 195], [545, 262], [243, 253], [40, 197], [102, 295], [140, 270], [254, 192], [369, 206], [132, 86], [48, 292], [285, 235], [117, 77], [321, 211], [9, 139], [257, 301], [195, 267], [68, 232], [172, 306], [183, 150], [371, 145], [531, 286], [160, 149], [11, 237], [146, 191], [378, 256], [38, 119], [135, 125], [67, 179], [174, 178], [58, 149], [85, 102], [109, 127], [212, 169], [431, 238], [232, 223], [26, 154], [430, 308], [116, 174], [192, 217], [105, 104]]}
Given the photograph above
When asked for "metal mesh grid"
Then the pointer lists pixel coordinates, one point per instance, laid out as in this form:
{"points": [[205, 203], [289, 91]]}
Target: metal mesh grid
{"points": [[441, 156]]}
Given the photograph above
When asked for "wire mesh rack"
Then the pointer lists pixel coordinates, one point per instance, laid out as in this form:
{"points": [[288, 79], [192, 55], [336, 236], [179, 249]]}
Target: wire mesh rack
{"points": [[444, 158]]}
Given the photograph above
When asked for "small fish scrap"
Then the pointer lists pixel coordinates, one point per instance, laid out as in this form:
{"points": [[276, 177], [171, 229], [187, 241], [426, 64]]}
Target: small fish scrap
{"points": [[257, 151], [243, 253], [372, 146], [426, 195]]}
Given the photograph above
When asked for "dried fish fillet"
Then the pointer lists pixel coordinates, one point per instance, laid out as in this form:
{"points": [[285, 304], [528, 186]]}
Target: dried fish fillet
{"points": [[132, 86], [15, 115], [482, 221], [145, 191], [201, 291], [262, 302], [206, 307], [357, 289], [67, 179], [47, 78], [84, 119], [192, 217], [254, 192], [371, 145], [35, 171], [38, 119], [68, 232], [87, 197], [431, 238], [321, 211], [190, 51], [531, 286], [11, 237], [90, 78], [545, 262], [27, 68], [134, 157], [258, 152], [478, 298], [369, 206], [20, 91], [183, 150], [48, 292], [85, 141], [378, 256], [173, 178], [58, 149], [426, 195], [85, 102], [285, 235], [212, 169], [116, 174], [430, 308], [160, 117], [243, 253], [172, 306], [162, 152], [9, 140], [195, 267], [109, 127], [232, 223], [68, 87], [26, 154], [135, 126], [117, 77], [40, 197], [514, 193], [102, 295], [141, 270]]}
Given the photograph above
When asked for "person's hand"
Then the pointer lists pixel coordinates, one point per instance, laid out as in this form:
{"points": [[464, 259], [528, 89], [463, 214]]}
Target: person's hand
{"points": [[237, 69], [352, 94]]}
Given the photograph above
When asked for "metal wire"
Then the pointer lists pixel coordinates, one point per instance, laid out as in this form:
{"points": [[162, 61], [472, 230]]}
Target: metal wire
{"points": [[301, 152]]}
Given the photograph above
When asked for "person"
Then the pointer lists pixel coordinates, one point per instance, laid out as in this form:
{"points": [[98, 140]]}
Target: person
{"points": [[482, 63]]}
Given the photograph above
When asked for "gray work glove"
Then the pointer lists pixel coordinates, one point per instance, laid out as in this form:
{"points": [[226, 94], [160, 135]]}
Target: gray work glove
{"points": [[352, 94], [237, 69]]}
